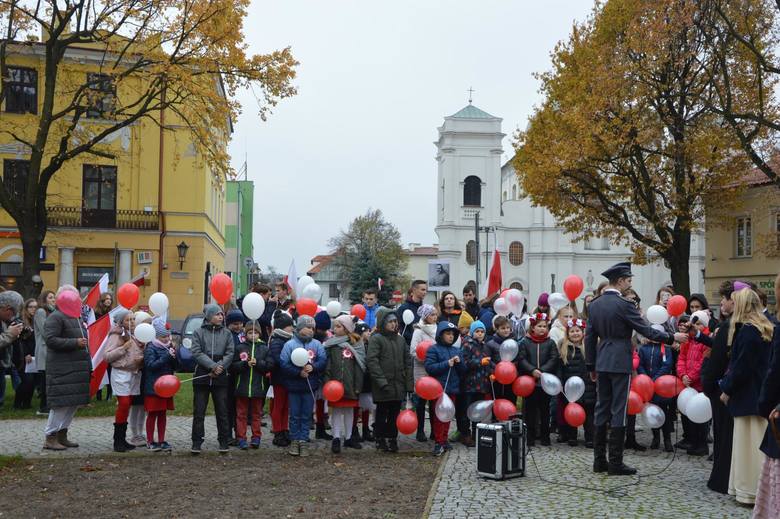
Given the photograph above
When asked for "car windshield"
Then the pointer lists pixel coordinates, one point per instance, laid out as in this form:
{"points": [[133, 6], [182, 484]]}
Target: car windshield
{"points": [[192, 325]]}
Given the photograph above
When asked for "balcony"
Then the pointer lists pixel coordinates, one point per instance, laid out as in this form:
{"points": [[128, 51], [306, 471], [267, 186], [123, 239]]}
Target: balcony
{"points": [[125, 219]]}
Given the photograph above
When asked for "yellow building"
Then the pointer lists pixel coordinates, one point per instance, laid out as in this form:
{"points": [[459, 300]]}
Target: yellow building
{"points": [[125, 216], [747, 247]]}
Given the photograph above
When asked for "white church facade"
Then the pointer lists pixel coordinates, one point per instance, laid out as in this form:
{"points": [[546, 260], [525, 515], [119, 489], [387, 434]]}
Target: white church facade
{"points": [[536, 254]]}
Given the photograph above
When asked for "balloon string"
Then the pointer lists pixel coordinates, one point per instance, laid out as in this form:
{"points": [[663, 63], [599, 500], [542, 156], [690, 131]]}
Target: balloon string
{"points": [[310, 389], [448, 379], [195, 378], [493, 389]]}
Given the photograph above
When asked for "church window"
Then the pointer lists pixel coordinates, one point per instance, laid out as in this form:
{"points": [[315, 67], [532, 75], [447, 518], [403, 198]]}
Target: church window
{"points": [[516, 253], [514, 192], [472, 191], [517, 285], [471, 252]]}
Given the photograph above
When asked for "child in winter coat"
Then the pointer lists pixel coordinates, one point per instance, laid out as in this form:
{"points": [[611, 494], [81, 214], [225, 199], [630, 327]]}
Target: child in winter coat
{"points": [[538, 354], [503, 329], [159, 360], [558, 329], [365, 398], [234, 320], [424, 331], [302, 382], [322, 333], [444, 362], [251, 362], [689, 362], [572, 354], [479, 367], [656, 360], [346, 364], [282, 324]]}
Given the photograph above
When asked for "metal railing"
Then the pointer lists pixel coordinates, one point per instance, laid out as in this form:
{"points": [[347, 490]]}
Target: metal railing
{"points": [[128, 219]]}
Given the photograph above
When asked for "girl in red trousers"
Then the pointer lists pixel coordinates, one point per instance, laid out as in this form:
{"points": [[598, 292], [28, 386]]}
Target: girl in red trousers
{"points": [[282, 324], [159, 360]]}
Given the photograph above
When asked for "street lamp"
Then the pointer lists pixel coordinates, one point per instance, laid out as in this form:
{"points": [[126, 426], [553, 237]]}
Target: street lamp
{"points": [[182, 248]]}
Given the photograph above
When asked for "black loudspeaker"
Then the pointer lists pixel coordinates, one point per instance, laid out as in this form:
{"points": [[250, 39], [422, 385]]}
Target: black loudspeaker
{"points": [[501, 449]]}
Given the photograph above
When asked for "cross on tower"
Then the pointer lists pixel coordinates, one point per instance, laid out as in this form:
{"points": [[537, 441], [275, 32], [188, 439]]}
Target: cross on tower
{"points": [[471, 91]]}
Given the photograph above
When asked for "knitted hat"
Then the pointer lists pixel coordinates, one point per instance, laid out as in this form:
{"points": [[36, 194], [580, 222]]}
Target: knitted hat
{"points": [[347, 322], [542, 301], [281, 320], [142, 317], [424, 311], [304, 321], [120, 315], [476, 325], [703, 317], [160, 327], [210, 310], [465, 320], [235, 316], [322, 320], [361, 327]]}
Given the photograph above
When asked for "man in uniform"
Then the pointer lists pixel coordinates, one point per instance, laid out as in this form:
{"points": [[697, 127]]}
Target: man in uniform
{"points": [[608, 354]]}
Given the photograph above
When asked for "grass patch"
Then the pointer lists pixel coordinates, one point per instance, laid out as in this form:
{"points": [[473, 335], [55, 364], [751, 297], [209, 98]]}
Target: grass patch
{"points": [[10, 461]]}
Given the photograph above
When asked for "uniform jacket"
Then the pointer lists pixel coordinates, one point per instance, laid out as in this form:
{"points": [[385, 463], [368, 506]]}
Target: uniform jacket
{"points": [[747, 368], [389, 363], [251, 381], [437, 361], [212, 345], [68, 365], [612, 321], [292, 378]]}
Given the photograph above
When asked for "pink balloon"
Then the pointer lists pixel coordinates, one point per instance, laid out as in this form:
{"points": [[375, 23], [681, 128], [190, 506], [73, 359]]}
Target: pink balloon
{"points": [[69, 303]]}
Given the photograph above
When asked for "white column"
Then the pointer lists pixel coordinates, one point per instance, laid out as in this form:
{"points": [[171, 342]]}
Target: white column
{"points": [[125, 266], [66, 266]]}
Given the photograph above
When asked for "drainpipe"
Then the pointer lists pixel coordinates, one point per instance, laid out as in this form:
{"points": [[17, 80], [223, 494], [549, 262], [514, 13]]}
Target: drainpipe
{"points": [[161, 214]]}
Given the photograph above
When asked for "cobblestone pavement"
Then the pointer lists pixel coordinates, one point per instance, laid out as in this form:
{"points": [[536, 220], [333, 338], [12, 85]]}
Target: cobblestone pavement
{"points": [[679, 491]]}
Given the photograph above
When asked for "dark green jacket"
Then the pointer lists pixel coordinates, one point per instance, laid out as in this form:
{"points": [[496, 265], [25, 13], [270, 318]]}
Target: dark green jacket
{"points": [[343, 366], [389, 363]]}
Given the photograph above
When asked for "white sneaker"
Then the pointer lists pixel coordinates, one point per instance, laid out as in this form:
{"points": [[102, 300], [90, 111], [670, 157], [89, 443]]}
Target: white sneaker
{"points": [[138, 441]]}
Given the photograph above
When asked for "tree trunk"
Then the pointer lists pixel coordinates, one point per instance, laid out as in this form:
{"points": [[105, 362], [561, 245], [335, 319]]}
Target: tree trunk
{"points": [[679, 263], [32, 240]]}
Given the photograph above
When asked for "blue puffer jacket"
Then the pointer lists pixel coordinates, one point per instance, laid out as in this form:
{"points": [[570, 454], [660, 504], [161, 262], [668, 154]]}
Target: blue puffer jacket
{"points": [[291, 374], [157, 362], [437, 361], [653, 364]]}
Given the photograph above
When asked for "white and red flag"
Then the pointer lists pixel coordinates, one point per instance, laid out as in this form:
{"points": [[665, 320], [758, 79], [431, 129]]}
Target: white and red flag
{"points": [[494, 279], [380, 283]]}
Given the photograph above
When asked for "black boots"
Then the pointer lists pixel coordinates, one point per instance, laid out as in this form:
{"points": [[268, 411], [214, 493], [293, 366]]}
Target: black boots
{"points": [[421, 437], [668, 447], [367, 435], [356, 434], [381, 444], [656, 439], [392, 445], [631, 442], [120, 442], [600, 449], [616, 467], [321, 434], [335, 446], [281, 439]]}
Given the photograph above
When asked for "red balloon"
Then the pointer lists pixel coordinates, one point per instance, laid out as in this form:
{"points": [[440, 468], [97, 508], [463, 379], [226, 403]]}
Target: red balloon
{"points": [[333, 390], [524, 385], [643, 386], [635, 362], [128, 295], [406, 422], [167, 385], [668, 386], [306, 307], [676, 305], [428, 388], [505, 372], [635, 403], [574, 414], [572, 287], [358, 311], [422, 349], [503, 409], [221, 288]]}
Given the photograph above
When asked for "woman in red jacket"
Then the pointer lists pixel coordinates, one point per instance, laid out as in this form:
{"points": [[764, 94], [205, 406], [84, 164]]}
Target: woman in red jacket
{"points": [[689, 362]]}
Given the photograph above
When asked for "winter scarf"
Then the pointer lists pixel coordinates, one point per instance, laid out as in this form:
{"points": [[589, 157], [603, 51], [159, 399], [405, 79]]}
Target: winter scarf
{"points": [[537, 339], [358, 350], [278, 332]]}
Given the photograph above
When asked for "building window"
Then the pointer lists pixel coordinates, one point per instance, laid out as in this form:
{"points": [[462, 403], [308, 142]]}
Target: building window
{"points": [[333, 291], [21, 91], [472, 191], [503, 196], [517, 285], [101, 96], [744, 237], [15, 173], [597, 243], [514, 192], [516, 253], [471, 252]]}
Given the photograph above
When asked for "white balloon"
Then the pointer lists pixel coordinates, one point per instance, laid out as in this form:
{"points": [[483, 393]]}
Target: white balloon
{"points": [[556, 300], [303, 282], [508, 350], [501, 306], [657, 314], [144, 332], [684, 398], [445, 408], [253, 305], [516, 301], [158, 303], [333, 308], [699, 409], [574, 389], [311, 291], [551, 384], [659, 327], [299, 357], [141, 316], [408, 317], [480, 411], [653, 415]]}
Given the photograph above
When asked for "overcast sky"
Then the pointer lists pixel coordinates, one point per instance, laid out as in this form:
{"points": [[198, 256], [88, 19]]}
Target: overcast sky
{"points": [[375, 81]]}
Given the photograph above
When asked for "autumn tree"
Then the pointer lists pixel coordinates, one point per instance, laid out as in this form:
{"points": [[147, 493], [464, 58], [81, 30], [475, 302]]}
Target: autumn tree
{"points": [[368, 250], [624, 145], [185, 57]]}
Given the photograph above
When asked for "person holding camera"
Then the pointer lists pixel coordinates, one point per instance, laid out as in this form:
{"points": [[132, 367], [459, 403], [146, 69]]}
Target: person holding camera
{"points": [[24, 350], [10, 330]]}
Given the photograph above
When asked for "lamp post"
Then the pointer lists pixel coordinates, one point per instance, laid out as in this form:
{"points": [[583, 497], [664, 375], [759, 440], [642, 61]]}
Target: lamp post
{"points": [[182, 248]]}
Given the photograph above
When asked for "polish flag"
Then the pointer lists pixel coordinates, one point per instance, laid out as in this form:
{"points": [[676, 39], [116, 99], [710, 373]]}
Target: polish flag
{"points": [[493, 281], [380, 283], [93, 296], [139, 280], [291, 277], [97, 334]]}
